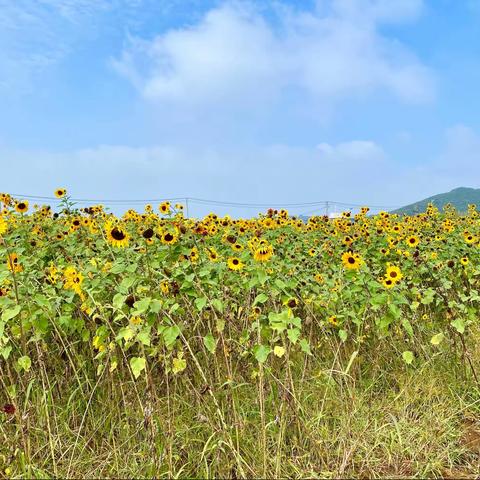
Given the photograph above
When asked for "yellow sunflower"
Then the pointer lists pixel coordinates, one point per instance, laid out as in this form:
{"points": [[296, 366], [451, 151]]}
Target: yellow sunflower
{"points": [[117, 235], [412, 241], [393, 273], [351, 260], [263, 253], [60, 192], [21, 206], [235, 263]]}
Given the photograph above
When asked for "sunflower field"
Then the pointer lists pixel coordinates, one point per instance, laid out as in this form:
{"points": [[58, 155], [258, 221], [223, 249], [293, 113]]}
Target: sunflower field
{"points": [[157, 345]]}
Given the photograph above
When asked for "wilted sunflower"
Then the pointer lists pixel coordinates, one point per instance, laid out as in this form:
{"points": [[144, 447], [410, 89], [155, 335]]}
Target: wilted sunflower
{"points": [[21, 206], [60, 192], [117, 235], [234, 263]]}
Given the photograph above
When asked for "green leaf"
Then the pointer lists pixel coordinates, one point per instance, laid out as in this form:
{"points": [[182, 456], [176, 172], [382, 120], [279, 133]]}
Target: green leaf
{"points": [[24, 363], [293, 334], [155, 306], [10, 313], [218, 304], [305, 346], [210, 343], [408, 357], [5, 351], [144, 336], [407, 326], [141, 306], [137, 364], [119, 301], [200, 303], [459, 325], [437, 339], [179, 364], [343, 335], [170, 335], [126, 284], [260, 298], [261, 353]]}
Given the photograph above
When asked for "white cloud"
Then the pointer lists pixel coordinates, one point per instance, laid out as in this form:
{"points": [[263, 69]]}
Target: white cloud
{"points": [[354, 151], [236, 55]]}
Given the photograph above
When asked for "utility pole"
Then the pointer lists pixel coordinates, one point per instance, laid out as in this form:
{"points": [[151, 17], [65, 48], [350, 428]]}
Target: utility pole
{"points": [[327, 208], [186, 204]]}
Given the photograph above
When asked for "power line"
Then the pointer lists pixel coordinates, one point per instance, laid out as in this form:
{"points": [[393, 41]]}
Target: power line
{"points": [[324, 204]]}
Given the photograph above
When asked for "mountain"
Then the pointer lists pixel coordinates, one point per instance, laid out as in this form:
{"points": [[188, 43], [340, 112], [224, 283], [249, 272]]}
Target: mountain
{"points": [[460, 198]]}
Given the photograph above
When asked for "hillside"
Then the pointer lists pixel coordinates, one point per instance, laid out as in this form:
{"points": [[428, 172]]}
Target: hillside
{"points": [[460, 198]]}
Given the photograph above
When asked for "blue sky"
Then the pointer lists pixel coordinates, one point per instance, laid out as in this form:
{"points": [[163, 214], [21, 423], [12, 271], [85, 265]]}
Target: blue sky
{"points": [[358, 101]]}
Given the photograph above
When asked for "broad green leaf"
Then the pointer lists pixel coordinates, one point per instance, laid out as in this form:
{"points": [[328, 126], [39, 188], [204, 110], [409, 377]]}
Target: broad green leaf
{"points": [[437, 339], [459, 325], [200, 303], [179, 364], [293, 334], [141, 306], [278, 351], [10, 313], [210, 343], [218, 304], [408, 357], [24, 363], [343, 335], [170, 335], [305, 346], [137, 364], [260, 298], [261, 353]]}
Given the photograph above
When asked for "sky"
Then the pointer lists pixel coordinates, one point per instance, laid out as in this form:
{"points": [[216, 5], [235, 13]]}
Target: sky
{"points": [[270, 101]]}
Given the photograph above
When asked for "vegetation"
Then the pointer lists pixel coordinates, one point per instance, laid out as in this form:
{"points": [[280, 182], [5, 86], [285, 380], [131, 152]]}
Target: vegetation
{"points": [[154, 345], [459, 198]]}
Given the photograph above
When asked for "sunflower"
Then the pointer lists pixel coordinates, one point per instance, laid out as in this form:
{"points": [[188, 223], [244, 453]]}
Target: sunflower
{"points": [[388, 282], [332, 320], [213, 254], [3, 225], [464, 261], [194, 256], [13, 264], [234, 263], [393, 273], [164, 208], [117, 235], [412, 241], [72, 280], [21, 206], [469, 238], [351, 260], [263, 253], [60, 192], [169, 238]]}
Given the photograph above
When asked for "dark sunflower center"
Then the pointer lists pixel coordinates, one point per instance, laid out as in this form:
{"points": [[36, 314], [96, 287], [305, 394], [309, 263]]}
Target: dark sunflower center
{"points": [[351, 260], [21, 206], [148, 233], [235, 261], [168, 237], [117, 234], [393, 274]]}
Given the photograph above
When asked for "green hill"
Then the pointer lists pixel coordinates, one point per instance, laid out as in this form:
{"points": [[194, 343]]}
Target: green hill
{"points": [[460, 198]]}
